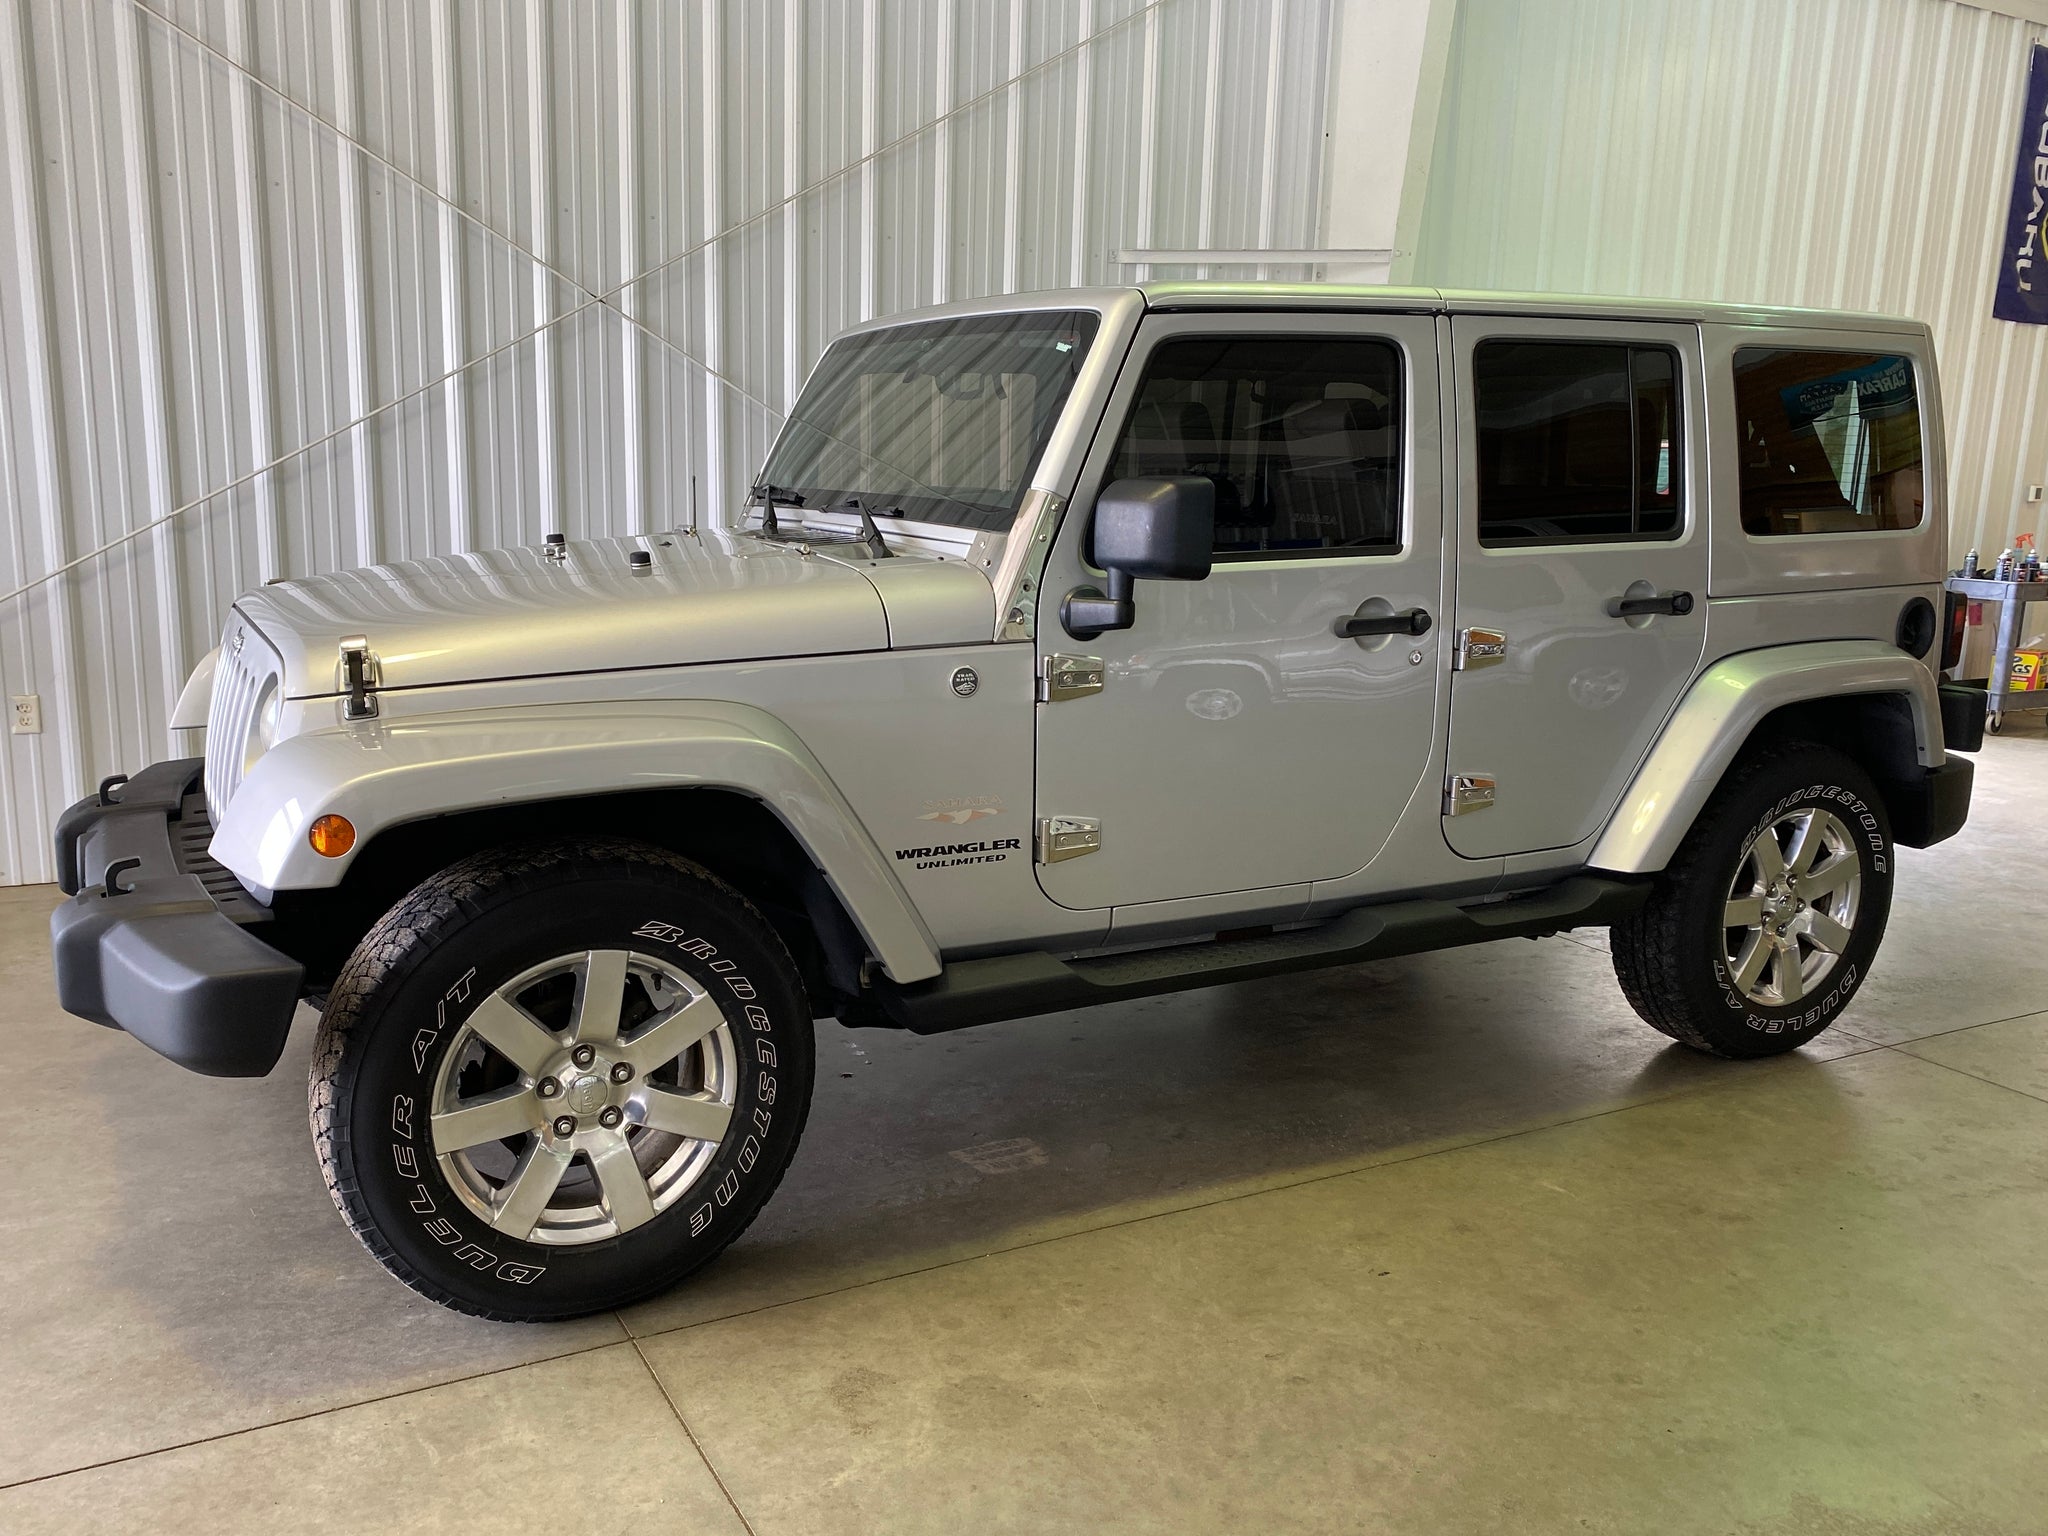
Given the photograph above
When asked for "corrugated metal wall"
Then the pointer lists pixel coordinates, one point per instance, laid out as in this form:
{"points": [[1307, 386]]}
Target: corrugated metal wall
{"points": [[302, 284], [1850, 154]]}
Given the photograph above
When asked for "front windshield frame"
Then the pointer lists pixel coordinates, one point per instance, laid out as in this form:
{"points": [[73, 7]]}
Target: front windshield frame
{"points": [[1062, 340]]}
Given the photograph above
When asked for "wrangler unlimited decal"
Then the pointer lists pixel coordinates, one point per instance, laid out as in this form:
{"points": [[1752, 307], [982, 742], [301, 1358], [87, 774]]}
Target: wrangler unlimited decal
{"points": [[946, 855]]}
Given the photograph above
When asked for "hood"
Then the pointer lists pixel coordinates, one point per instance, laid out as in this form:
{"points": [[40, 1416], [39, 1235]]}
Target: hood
{"points": [[713, 597]]}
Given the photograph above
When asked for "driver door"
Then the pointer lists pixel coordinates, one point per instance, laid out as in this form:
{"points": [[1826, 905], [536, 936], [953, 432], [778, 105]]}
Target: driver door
{"points": [[1236, 741]]}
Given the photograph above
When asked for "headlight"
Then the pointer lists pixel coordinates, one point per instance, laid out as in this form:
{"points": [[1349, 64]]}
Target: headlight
{"points": [[263, 724]]}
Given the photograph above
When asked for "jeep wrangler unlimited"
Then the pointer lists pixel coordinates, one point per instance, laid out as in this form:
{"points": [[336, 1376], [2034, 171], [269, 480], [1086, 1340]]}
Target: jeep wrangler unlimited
{"points": [[1071, 647]]}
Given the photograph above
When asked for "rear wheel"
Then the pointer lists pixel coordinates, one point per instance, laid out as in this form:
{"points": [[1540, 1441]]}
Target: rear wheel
{"points": [[556, 1081], [1765, 924]]}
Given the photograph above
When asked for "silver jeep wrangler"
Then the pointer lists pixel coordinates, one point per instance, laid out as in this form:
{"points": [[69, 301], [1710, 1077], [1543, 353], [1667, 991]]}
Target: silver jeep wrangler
{"points": [[1073, 647]]}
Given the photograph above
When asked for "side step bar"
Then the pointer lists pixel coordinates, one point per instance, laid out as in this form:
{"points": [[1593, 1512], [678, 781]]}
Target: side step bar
{"points": [[973, 992]]}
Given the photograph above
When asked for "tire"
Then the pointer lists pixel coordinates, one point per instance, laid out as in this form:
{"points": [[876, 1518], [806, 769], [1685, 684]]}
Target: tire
{"points": [[476, 994], [1738, 991]]}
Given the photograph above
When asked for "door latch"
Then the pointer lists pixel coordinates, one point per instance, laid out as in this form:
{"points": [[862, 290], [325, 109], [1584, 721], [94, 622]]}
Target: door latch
{"points": [[1068, 677], [1677, 604], [1068, 837], [1465, 792], [1479, 648]]}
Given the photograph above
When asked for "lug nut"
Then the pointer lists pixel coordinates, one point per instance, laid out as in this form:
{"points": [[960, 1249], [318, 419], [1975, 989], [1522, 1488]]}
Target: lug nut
{"points": [[566, 1126], [583, 1055], [547, 1087], [611, 1117], [622, 1072]]}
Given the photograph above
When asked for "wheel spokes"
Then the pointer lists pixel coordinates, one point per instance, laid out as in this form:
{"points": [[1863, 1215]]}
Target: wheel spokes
{"points": [[1770, 858], [1826, 933], [600, 997], [514, 1034], [526, 1194], [1743, 912], [623, 1185], [1755, 952], [695, 1115], [1808, 839], [1791, 975], [476, 1122], [670, 1035], [1827, 879]]}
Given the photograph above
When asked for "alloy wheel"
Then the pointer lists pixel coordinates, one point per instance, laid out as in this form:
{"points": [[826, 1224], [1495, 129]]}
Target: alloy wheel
{"points": [[584, 1097], [1791, 907]]}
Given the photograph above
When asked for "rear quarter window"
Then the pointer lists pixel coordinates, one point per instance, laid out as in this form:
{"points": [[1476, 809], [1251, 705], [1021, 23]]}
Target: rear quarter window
{"points": [[1830, 441]]}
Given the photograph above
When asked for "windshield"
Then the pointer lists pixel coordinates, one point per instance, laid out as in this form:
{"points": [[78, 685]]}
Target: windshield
{"points": [[936, 422]]}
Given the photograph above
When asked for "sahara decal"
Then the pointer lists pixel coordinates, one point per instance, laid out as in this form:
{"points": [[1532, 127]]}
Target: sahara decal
{"points": [[960, 810]]}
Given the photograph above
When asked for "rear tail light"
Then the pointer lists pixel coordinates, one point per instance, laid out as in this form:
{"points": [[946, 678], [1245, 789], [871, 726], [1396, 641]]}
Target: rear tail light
{"points": [[1955, 622]]}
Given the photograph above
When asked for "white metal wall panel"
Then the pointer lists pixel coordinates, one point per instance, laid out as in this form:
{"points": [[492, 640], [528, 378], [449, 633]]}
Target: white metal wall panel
{"points": [[303, 284], [1851, 154]]}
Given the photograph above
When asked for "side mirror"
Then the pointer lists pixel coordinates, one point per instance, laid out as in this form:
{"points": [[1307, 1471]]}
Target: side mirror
{"points": [[1162, 528]]}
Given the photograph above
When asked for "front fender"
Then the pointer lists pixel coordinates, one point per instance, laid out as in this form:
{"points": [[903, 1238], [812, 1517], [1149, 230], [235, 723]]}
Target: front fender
{"points": [[383, 775], [1716, 717]]}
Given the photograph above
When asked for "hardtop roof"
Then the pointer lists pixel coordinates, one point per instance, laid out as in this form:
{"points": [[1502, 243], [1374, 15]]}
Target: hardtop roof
{"points": [[1476, 301], [1370, 298]]}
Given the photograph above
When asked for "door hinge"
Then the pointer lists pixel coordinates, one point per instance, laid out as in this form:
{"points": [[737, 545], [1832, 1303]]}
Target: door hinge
{"points": [[1468, 792], [1479, 648], [1068, 837], [360, 675], [1068, 677]]}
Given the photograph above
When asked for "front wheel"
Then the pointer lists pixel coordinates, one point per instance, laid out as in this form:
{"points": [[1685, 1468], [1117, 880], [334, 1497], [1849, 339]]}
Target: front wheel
{"points": [[1765, 924], [555, 1081]]}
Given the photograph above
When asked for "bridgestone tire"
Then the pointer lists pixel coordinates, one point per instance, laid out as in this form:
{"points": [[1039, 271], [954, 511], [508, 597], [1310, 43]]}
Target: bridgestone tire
{"points": [[402, 1002], [1672, 957]]}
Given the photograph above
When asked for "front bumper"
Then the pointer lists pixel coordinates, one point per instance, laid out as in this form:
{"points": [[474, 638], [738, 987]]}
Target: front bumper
{"points": [[166, 949]]}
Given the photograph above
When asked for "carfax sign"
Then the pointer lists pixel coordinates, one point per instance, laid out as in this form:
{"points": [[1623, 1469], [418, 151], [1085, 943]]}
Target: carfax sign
{"points": [[2023, 264]]}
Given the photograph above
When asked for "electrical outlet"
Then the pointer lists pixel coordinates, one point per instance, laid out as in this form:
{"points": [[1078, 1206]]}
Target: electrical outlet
{"points": [[28, 714]]}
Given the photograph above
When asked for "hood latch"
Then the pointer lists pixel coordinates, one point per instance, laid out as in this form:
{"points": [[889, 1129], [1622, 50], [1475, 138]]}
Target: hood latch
{"points": [[360, 675]]}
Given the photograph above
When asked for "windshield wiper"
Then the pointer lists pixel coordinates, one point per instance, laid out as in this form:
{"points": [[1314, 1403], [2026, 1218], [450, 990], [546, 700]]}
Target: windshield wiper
{"points": [[870, 535], [769, 497]]}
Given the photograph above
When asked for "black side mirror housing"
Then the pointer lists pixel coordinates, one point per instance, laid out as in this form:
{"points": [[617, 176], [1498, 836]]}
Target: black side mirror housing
{"points": [[1160, 527]]}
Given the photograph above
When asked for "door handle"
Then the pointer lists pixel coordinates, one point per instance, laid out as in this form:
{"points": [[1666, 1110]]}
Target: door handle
{"points": [[1677, 604], [1410, 621]]}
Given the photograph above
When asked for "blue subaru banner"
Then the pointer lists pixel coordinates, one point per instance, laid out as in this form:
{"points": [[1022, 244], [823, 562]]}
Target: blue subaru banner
{"points": [[2023, 264]]}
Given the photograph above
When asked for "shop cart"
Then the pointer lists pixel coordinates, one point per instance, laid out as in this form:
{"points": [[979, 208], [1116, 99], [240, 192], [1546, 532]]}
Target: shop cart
{"points": [[2012, 598]]}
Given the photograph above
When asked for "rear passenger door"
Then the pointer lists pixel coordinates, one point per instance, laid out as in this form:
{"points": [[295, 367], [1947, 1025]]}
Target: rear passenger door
{"points": [[1581, 573]]}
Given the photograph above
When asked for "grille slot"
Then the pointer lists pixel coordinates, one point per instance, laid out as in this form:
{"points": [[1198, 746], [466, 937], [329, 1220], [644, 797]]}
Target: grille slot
{"points": [[190, 834], [245, 665]]}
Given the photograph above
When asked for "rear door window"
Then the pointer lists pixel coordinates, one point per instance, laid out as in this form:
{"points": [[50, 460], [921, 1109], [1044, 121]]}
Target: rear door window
{"points": [[1830, 441], [1578, 442]]}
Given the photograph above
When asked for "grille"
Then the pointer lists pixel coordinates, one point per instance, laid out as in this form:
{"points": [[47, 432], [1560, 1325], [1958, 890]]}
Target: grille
{"points": [[246, 664]]}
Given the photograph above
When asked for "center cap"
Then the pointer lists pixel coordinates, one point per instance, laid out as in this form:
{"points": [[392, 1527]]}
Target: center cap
{"points": [[587, 1095]]}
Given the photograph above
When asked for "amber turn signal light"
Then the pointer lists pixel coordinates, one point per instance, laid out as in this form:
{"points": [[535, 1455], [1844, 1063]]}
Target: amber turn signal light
{"points": [[331, 836]]}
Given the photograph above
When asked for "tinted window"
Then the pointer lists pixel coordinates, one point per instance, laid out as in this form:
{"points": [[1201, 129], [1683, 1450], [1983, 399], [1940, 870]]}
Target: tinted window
{"points": [[1830, 441], [1577, 441], [1301, 436]]}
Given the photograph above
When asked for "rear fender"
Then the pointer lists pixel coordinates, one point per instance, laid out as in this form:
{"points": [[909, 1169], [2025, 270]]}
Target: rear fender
{"points": [[382, 775], [1723, 709]]}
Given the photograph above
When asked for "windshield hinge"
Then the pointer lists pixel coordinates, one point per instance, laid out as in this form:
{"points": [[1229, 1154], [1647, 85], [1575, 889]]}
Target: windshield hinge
{"points": [[360, 675]]}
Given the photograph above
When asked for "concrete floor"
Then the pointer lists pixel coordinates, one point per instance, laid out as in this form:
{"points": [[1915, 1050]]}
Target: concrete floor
{"points": [[1446, 1244]]}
